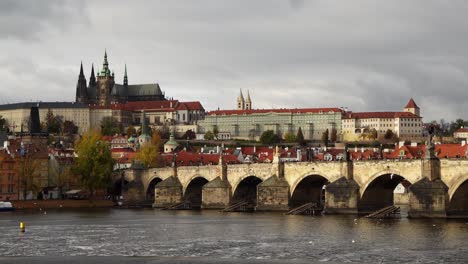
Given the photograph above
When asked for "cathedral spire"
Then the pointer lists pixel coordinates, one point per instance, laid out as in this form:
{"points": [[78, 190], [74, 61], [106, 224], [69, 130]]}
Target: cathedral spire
{"points": [[81, 90], [92, 77], [248, 101], [81, 69], [240, 101], [125, 81], [105, 66]]}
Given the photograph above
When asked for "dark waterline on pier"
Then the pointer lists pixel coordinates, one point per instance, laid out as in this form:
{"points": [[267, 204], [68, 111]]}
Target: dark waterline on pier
{"points": [[210, 234]]}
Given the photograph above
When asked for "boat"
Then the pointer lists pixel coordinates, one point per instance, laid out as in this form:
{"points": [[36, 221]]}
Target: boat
{"points": [[6, 206]]}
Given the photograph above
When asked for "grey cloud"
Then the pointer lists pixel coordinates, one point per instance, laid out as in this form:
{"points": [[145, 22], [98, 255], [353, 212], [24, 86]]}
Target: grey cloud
{"points": [[26, 19], [367, 55]]}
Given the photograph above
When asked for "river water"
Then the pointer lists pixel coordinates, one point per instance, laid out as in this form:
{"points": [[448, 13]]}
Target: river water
{"points": [[210, 234]]}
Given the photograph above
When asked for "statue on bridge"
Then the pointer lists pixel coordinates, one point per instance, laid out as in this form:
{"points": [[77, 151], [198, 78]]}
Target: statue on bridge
{"points": [[430, 149]]}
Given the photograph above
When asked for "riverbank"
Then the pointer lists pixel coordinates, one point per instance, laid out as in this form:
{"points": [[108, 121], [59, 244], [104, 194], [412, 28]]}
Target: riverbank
{"points": [[56, 204]]}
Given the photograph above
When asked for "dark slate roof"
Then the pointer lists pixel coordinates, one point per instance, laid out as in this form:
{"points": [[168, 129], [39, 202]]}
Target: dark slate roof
{"points": [[92, 92], [28, 105], [151, 89], [144, 89], [119, 90]]}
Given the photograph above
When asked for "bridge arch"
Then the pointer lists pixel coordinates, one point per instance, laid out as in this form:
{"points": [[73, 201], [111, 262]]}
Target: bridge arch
{"points": [[151, 186], [296, 182], [193, 191], [309, 188], [374, 176], [456, 186], [379, 191], [246, 189]]}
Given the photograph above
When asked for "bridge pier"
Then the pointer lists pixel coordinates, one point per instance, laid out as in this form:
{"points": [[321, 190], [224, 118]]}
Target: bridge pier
{"points": [[341, 197], [168, 192], [133, 192], [216, 194], [428, 199], [273, 195]]}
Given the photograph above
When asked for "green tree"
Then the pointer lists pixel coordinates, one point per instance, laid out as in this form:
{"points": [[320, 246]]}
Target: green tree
{"points": [[300, 137], [373, 134], [3, 124], [334, 135], [290, 138], [209, 135], [215, 132], [131, 131], [94, 162], [325, 137], [69, 127], [53, 124], [148, 155], [189, 134], [110, 126], [269, 137]]}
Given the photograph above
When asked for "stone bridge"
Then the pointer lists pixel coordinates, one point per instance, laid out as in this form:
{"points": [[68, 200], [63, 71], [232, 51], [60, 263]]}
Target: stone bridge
{"points": [[439, 188]]}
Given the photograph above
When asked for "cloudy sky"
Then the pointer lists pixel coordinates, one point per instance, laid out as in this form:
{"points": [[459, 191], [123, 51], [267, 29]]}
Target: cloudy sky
{"points": [[364, 55]]}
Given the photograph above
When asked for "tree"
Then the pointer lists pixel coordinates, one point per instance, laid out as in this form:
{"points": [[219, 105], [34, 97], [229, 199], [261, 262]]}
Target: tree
{"points": [[53, 124], [300, 137], [110, 126], [325, 137], [215, 132], [131, 131], [164, 132], [373, 134], [269, 137], [61, 173], [189, 135], [334, 135], [389, 135], [28, 174], [94, 162], [209, 135], [148, 155], [290, 138], [3, 124], [252, 134], [69, 127]]}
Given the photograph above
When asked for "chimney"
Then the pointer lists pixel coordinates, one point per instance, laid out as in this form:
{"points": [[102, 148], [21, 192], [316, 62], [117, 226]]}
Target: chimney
{"points": [[401, 144], [255, 149], [463, 143], [362, 149]]}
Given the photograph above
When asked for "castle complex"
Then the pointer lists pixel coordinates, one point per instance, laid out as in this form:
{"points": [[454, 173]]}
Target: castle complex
{"points": [[103, 91], [102, 97]]}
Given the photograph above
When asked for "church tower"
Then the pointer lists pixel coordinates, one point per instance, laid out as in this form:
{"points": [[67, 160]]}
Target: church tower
{"points": [[412, 107], [81, 89], [248, 102], [240, 101], [105, 82]]}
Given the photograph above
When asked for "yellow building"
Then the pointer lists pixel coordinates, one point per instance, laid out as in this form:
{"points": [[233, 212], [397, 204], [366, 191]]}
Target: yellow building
{"points": [[17, 115], [405, 125]]}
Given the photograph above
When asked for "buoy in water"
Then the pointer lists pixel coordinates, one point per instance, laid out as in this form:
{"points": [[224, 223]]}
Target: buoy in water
{"points": [[22, 227]]}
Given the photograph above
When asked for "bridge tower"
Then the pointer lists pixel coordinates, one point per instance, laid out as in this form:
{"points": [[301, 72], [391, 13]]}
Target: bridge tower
{"points": [[217, 193], [273, 194], [429, 196], [342, 195]]}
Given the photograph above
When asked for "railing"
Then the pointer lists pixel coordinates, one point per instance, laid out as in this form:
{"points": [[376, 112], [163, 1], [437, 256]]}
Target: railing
{"points": [[306, 209], [241, 206], [389, 211]]}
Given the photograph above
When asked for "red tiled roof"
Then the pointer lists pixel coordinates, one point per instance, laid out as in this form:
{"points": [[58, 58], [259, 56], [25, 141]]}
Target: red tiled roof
{"points": [[265, 111], [154, 106], [461, 130], [365, 115], [411, 104]]}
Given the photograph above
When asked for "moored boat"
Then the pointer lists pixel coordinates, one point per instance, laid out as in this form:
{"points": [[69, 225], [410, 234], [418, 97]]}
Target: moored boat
{"points": [[6, 206]]}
